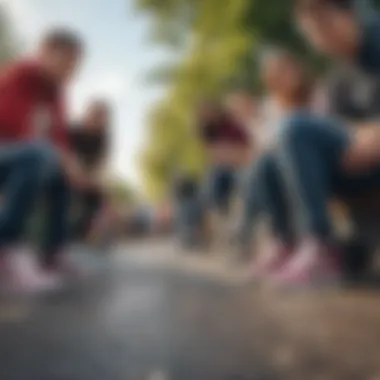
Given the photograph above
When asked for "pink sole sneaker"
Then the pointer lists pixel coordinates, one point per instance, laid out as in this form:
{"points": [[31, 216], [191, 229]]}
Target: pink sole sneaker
{"points": [[19, 273], [318, 271], [272, 262]]}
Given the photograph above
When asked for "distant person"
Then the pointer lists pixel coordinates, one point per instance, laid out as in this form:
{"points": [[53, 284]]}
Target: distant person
{"points": [[89, 140], [327, 156], [288, 87], [34, 154], [227, 148], [188, 211], [245, 109]]}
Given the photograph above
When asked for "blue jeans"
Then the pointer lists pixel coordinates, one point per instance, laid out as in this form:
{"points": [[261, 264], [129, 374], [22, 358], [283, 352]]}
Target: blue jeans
{"points": [[221, 183], [310, 153], [22, 169], [188, 214], [265, 194]]}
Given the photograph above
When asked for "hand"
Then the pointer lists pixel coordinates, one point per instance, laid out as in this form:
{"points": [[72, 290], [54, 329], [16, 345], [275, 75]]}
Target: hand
{"points": [[75, 173], [363, 152]]}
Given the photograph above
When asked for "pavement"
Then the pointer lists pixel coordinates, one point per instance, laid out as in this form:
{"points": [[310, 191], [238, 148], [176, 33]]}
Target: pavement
{"points": [[150, 313]]}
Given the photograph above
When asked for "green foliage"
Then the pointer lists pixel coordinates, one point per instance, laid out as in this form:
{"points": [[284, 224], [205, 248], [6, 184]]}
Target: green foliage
{"points": [[121, 193], [220, 42]]}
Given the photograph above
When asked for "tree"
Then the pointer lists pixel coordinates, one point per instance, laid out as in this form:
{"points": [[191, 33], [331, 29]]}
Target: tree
{"points": [[121, 193], [220, 42]]}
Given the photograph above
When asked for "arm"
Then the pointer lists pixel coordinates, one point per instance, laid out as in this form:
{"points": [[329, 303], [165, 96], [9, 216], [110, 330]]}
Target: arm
{"points": [[73, 168], [98, 172]]}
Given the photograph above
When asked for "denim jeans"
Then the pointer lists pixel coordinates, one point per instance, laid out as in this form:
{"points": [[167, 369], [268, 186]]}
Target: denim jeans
{"points": [[23, 166], [221, 183], [89, 202], [310, 153], [265, 193], [188, 216]]}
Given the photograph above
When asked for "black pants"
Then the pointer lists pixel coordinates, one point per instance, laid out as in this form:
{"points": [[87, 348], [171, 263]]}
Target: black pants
{"points": [[88, 204]]}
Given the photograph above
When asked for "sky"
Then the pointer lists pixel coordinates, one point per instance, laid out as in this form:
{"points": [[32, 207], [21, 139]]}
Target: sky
{"points": [[117, 61]]}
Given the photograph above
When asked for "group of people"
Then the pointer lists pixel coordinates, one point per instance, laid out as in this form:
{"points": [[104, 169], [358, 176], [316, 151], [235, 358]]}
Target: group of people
{"points": [[46, 161], [286, 154], [309, 140]]}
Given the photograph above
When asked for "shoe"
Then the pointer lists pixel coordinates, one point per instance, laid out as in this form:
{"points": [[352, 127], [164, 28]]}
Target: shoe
{"points": [[63, 265], [314, 264], [20, 274], [273, 258]]}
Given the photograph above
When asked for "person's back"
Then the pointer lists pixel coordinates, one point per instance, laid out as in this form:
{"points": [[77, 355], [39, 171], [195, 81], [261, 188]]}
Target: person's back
{"points": [[89, 143], [89, 146]]}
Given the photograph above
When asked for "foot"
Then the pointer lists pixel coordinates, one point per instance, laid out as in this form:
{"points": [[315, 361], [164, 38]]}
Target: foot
{"points": [[313, 264], [19, 273], [64, 266], [275, 255]]}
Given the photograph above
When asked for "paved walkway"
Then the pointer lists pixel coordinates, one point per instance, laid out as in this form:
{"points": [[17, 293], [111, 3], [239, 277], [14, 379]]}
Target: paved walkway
{"points": [[158, 316]]}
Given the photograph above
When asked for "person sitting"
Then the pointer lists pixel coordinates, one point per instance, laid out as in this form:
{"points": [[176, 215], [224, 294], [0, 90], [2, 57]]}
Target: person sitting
{"points": [[326, 156], [286, 81], [34, 154], [244, 109], [227, 148], [188, 214], [89, 143], [262, 121]]}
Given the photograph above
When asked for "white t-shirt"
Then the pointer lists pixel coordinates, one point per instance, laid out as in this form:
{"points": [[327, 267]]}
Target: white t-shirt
{"points": [[268, 126]]}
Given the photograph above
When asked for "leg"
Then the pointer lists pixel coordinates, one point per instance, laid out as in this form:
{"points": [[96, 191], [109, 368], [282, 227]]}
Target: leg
{"points": [[310, 153], [274, 198], [57, 218], [214, 200], [90, 204], [22, 166], [225, 185], [252, 209], [270, 194], [265, 193], [181, 220], [219, 187]]}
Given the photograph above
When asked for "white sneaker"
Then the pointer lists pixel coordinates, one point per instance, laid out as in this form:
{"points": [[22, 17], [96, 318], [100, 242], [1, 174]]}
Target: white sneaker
{"points": [[21, 274]]}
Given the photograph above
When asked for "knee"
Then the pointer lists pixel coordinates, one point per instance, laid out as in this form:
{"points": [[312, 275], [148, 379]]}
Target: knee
{"points": [[267, 167], [39, 155], [298, 130], [59, 182]]}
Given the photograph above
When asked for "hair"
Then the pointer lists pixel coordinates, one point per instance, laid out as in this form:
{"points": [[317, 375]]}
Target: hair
{"points": [[242, 90], [314, 5], [275, 52], [99, 103], [62, 38], [307, 80]]}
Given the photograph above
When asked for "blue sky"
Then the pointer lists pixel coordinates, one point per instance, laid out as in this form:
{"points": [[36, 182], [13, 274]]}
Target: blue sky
{"points": [[118, 58]]}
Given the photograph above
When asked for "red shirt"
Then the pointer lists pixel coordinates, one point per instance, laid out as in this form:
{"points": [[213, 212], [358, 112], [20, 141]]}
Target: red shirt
{"points": [[225, 130], [26, 92]]}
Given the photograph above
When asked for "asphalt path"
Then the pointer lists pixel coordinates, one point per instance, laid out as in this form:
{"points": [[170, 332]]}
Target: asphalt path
{"points": [[152, 314]]}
